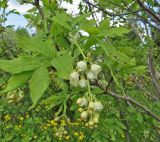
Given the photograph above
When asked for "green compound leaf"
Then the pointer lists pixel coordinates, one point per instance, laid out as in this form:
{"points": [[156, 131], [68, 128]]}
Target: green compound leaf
{"points": [[39, 83], [63, 65], [20, 64], [17, 80]]}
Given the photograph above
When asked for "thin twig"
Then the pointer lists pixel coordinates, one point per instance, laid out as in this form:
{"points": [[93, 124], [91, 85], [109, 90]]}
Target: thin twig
{"points": [[149, 11], [112, 14], [128, 99]]}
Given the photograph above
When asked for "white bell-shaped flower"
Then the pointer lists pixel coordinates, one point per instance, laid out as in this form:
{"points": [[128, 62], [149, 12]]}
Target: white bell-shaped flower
{"points": [[96, 118], [98, 106], [74, 83], [84, 115], [91, 105], [81, 65], [79, 100], [90, 123], [99, 60], [95, 68], [11, 95], [83, 83], [91, 75], [74, 78], [20, 97], [84, 102]]}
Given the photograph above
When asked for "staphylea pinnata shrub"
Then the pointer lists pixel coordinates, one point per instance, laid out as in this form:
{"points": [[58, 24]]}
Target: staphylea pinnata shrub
{"points": [[89, 106]]}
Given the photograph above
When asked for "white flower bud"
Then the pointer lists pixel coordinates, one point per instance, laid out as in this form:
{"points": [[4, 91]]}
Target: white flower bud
{"points": [[99, 60], [20, 97], [91, 75], [57, 134], [83, 83], [80, 109], [84, 102], [10, 101], [98, 106], [79, 100], [74, 83], [96, 118], [81, 65], [86, 124], [84, 115], [74, 78], [91, 105], [91, 123], [11, 95], [90, 111], [95, 68], [65, 132]]}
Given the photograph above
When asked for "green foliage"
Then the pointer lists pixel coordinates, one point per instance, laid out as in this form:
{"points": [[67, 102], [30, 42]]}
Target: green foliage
{"points": [[39, 83], [38, 100], [17, 80], [63, 65], [21, 64], [37, 45]]}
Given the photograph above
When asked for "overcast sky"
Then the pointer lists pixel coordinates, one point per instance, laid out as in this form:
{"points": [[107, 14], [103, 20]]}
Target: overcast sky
{"points": [[14, 19], [19, 20]]}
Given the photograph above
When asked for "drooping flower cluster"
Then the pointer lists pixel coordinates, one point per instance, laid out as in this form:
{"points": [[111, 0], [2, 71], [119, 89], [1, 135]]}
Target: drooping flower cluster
{"points": [[89, 111], [94, 71], [74, 79], [77, 78], [89, 107], [15, 96], [74, 76]]}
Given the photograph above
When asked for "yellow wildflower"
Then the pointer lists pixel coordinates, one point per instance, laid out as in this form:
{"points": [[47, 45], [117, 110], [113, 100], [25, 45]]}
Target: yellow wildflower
{"points": [[48, 124], [52, 122], [55, 124], [81, 133], [7, 117], [63, 123], [35, 137], [44, 127], [76, 134], [21, 118], [67, 137], [81, 137]]}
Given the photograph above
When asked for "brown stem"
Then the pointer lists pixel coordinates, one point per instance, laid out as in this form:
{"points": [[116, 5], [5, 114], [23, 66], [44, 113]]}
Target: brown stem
{"points": [[125, 122], [110, 13], [138, 84], [151, 65], [39, 9], [144, 20], [153, 73], [149, 11], [109, 83], [128, 99], [90, 8]]}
